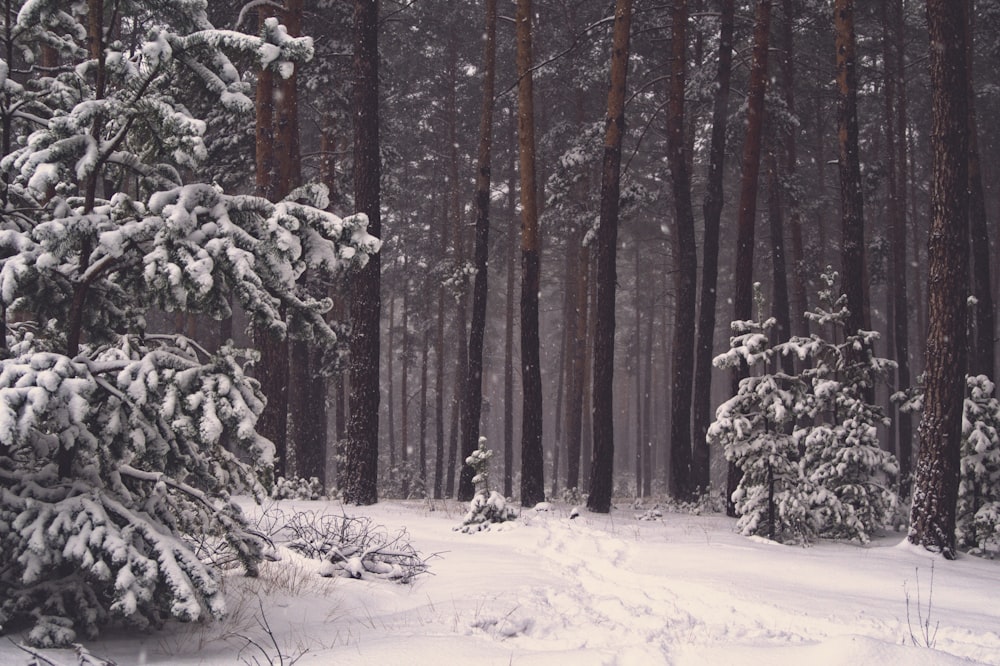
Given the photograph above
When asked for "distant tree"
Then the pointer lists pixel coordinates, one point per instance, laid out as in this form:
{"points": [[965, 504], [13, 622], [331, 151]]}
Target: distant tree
{"points": [[602, 467], [935, 490]]}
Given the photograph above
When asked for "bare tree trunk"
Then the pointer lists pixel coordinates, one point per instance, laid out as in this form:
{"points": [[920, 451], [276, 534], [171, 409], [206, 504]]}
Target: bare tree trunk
{"points": [[983, 359], [686, 273], [404, 388], [532, 471], [895, 110], [849, 164], [439, 398], [602, 469], [935, 491], [361, 455], [799, 298], [473, 400], [508, 342], [779, 275], [712, 211], [743, 289], [424, 349]]}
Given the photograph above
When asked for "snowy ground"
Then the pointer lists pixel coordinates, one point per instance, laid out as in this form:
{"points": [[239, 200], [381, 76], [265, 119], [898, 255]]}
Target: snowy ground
{"points": [[601, 589]]}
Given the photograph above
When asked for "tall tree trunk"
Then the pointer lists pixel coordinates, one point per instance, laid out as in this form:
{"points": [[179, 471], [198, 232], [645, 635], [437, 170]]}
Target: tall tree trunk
{"points": [[849, 164], [743, 288], [789, 167], [935, 491], [686, 268], [895, 118], [390, 352], [272, 370], [779, 275], [361, 456], [439, 397], [532, 471], [637, 365], [508, 339], [576, 408], [602, 469], [424, 353], [404, 389], [983, 359], [712, 211], [647, 411], [473, 400]]}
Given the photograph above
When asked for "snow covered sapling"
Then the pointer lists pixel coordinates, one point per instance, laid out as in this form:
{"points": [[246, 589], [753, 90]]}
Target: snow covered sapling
{"points": [[118, 447], [487, 506], [978, 513], [849, 474], [755, 429]]}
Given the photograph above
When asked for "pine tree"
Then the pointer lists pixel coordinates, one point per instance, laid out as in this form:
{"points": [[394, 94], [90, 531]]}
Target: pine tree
{"points": [[755, 427], [978, 513], [119, 447]]}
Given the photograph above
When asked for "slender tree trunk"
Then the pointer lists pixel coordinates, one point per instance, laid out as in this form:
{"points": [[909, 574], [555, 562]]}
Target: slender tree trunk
{"points": [[983, 359], [272, 371], [404, 388], [532, 471], [424, 353], [390, 352], [361, 457], [935, 491], [895, 109], [686, 273], [712, 211], [743, 289], [439, 398], [647, 409], [602, 469], [587, 425], [637, 364], [473, 400], [849, 165], [779, 275], [508, 341], [790, 192]]}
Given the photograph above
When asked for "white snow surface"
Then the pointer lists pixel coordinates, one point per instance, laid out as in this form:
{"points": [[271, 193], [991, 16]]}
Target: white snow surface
{"points": [[601, 589]]}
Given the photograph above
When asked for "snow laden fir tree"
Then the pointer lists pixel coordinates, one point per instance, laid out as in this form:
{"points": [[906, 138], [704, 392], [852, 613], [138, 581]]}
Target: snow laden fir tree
{"points": [[807, 443], [119, 447]]}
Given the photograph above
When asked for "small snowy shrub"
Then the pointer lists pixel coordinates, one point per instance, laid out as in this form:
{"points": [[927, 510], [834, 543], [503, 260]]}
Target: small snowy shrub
{"points": [[487, 506], [297, 488], [978, 513]]}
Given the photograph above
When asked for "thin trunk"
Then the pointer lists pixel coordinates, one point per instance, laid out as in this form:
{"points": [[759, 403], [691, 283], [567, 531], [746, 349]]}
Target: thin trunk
{"points": [[361, 456], [424, 353], [712, 210], [895, 110], [532, 471], [602, 469], [983, 359], [404, 390], [439, 398], [743, 289], [935, 488], [779, 276], [789, 167], [473, 400], [647, 409], [686, 267], [852, 262], [636, 363], [508, 341]]}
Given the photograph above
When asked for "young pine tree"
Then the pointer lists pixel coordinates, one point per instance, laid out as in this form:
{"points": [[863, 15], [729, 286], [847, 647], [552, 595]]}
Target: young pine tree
{"points": [[978, 514], [119, 448]]}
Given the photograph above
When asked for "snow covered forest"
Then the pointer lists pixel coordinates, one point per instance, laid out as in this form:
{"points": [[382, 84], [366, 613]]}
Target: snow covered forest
{"points": [[570, 293]]}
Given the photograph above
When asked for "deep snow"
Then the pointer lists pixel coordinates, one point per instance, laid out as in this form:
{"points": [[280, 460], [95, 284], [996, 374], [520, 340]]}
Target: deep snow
{"points": [[601, 589]]}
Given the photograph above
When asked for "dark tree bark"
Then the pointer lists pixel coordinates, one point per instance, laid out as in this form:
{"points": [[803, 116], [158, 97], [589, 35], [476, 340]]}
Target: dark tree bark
{"points": [[895, 118], [789, 148], [686, 269], [779, 275], [849, 165], [439, 397], [404, 388], [272, 371], [935, 491], [473, 399], [508, 337], [602, 468], [712, 211], [424, 353], [745, 222], [532, 470], [361, 455]]}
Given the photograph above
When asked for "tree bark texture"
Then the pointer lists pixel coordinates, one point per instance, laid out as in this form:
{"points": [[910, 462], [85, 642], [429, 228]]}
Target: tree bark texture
{"points": [[602, 468], [935, 492], [361, 456]]}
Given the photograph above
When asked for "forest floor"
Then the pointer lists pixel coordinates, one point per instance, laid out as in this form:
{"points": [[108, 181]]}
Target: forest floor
{"points": [[629, 587]]}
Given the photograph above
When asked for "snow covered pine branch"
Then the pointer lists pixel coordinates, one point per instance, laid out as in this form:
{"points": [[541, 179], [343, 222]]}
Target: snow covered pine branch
{"points": [[118, 448]]}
